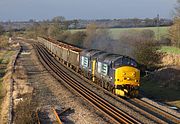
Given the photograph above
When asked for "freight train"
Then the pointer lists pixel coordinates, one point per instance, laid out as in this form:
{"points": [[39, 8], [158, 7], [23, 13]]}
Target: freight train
{"points": [[116, 73]]}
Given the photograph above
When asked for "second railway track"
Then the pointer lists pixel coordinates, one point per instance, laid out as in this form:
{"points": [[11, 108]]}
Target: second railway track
{"points": [[97, 101]]}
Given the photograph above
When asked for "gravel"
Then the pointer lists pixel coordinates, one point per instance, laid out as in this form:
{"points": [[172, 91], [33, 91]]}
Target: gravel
{"points": [[49, 91]]}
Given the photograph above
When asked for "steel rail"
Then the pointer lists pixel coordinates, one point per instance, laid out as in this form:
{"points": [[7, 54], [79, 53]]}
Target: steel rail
{"points": [[168, 118], [111, 111], [157, 110]]}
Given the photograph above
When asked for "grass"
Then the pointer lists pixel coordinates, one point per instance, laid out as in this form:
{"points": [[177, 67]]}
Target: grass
{"points": [[4, 60], [115, 32], [1, 96], [170, 49]]}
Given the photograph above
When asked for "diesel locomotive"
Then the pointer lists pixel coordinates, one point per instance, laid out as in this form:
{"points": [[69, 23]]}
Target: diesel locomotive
{"points": [[116, 73]]}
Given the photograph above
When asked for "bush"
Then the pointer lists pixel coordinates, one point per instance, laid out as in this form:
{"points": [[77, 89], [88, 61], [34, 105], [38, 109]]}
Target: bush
{"points": [[141, 46], [76, 38], [146, 53]]}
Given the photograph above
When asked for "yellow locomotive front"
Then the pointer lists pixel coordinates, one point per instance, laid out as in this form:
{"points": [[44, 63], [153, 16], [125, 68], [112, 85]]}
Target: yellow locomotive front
{"points": [[118, 74], [127, 81]]}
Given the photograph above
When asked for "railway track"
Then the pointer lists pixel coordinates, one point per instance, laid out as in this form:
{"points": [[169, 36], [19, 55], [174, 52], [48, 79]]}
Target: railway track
{"points": [[156, 111], [115, 114], [150, 111], [101, 104]]}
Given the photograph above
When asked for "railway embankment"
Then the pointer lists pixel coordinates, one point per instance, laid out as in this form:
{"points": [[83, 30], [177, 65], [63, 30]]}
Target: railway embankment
{"points": [[163, 84], [55, 66], [46, 91], [7, 66]]}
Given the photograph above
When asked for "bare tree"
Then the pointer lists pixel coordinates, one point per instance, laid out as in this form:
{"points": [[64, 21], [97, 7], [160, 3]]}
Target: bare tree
{"points": [[177, 9], [174, 31], [91, 35]]}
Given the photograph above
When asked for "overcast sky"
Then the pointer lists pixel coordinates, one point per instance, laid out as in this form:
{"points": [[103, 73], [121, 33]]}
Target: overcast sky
{"points": [[18, 10]]}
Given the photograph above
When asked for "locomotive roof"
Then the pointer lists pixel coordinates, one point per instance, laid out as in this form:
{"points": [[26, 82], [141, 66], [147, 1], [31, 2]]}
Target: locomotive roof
{"points": [[90, 52], [110, 58]]}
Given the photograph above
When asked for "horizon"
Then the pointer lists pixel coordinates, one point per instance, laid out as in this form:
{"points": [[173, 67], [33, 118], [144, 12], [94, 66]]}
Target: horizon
{"points": [[79, 19]]}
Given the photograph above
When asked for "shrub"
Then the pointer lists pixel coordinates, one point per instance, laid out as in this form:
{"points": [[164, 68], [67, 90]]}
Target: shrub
{"points": [[146, 53]]}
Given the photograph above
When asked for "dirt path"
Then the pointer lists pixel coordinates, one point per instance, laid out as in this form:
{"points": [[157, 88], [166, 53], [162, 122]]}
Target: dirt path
{"points": [[46, 90]]}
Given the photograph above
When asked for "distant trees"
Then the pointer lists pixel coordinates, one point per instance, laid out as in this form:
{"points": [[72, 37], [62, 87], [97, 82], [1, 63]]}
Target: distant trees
{"points": [[46, 28]]}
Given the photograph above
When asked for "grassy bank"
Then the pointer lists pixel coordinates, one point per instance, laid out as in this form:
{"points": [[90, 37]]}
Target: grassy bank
{"points": [[163, 85], [1, 96], [5, 56]]}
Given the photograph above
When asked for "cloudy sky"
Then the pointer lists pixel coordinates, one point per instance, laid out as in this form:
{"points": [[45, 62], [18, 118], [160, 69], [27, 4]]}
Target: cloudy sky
{"points": [[18, 10]]}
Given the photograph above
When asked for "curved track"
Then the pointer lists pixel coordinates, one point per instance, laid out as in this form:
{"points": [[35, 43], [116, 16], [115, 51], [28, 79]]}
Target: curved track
{"points": [[115, 114], [110, 110]]}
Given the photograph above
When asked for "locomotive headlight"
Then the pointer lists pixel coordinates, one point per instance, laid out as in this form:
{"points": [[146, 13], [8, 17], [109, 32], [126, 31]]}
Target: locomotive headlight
{"points": [[124, 73], [134, 74]]}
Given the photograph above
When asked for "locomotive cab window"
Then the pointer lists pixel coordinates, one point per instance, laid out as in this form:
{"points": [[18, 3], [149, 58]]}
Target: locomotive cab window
{"points": [[133, 63], [118, 63], [128, 61]]}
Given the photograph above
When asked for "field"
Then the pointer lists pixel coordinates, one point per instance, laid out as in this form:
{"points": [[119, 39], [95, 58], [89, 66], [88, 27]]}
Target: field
{"points": [[170, 49], [115, 32], [163, 31]]}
